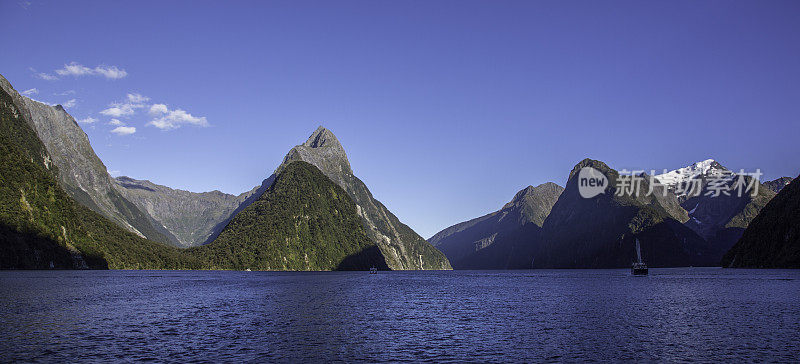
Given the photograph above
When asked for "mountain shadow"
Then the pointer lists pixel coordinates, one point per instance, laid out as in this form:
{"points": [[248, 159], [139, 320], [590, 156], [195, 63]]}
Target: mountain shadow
{"points": [[772, 240], [364, 260]]}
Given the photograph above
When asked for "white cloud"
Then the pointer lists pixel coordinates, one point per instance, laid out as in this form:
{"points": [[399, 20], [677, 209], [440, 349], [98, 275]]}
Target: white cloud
{"points": [[42, 75], [116, 122], [46, 77], [74, 69], [158, 109], [70, 103], [111, 72], [137, 98], [29, 92], [173, 119], [120, 109], [77, 70], [88, 120], [124, 130], [65, 93]]}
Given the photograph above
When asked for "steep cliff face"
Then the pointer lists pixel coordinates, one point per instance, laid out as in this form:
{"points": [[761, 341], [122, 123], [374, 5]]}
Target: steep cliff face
{"points": [[42, 227], [401, 246], [191, 217], [504, 239], [80, 172], [772, 240], [600, 232]]}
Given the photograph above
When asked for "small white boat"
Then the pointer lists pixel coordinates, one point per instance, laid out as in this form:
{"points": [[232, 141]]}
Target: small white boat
{"points": [[373, 270]]}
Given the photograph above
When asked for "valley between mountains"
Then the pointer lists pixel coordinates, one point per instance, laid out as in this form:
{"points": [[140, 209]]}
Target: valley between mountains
{"points": [[62, 210]]}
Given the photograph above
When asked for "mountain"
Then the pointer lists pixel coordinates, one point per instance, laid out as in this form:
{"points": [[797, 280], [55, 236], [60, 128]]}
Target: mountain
{"points": [[718, 218], [681, 176], [402, 248], [772, 240], [303, 221], [502, 239], [601, 231], [42, 226], [777, 185], [190, 217], [82, 174]]}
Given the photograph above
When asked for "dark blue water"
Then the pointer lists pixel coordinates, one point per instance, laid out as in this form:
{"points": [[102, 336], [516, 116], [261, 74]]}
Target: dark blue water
{"points": [[563, 315]]}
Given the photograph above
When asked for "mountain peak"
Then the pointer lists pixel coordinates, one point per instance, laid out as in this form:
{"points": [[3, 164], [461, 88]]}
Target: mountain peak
{"points": [[324, 151], [322, 137], [697, 169], [587, 162], [548, 187]]}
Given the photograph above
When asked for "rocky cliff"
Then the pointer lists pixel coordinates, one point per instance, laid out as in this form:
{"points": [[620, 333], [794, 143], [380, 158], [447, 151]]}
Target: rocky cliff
{"points": [[80, 172], [192, 218], [42, 227]]}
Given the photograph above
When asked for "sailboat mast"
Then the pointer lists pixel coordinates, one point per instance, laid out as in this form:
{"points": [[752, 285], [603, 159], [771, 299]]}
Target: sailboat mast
{"points": [[638, 252]]}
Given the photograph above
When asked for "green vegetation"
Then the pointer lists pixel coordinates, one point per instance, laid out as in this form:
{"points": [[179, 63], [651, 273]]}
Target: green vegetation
{"points": [[42, 227], [304, 221]]}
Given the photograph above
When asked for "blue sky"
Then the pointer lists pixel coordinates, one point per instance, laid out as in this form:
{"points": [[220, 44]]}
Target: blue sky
{"points": [[446, 108]]}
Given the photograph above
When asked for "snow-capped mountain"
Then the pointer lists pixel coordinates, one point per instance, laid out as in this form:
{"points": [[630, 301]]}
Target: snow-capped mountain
{"points": [[698, 170], [719, 218]]}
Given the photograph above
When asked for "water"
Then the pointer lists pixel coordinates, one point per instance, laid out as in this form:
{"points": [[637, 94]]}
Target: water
{"points": [[545, 315]]}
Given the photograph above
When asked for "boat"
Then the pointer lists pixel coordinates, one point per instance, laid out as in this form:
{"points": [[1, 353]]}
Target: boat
{"points": [[638, 268], [373, 270]]}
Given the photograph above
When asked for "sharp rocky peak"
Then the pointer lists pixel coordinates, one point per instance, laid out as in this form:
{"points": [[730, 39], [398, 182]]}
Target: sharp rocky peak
{"points": [[322, 137], [548, 187], [323, 150]]}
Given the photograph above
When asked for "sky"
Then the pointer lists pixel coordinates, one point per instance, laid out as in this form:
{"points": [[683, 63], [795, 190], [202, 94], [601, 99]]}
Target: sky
{"points": [[446, 108]]}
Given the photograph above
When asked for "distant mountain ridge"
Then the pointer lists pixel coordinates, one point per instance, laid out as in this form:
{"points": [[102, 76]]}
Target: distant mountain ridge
{"points": [[707, 226], [494, 241], [191, 217]]}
